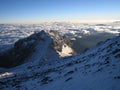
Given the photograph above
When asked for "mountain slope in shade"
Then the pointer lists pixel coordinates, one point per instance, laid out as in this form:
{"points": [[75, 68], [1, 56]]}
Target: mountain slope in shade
{"points": [[34, 47], [96, 69], [39, 46]]}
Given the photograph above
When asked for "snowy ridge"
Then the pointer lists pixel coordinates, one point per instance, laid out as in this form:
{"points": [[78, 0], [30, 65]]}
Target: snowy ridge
{"points": [[96, 69]]}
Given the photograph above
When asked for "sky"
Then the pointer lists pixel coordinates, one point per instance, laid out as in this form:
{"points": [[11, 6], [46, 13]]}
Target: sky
{"points": [[36, 11]]}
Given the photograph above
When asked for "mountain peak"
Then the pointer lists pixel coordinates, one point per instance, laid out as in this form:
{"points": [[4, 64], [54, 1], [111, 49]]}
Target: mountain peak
{"points": [[38, 46]]}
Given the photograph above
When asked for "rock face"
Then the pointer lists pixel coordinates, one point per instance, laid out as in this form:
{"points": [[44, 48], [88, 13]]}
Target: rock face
{"points": [[62, 44], [39, 46]]}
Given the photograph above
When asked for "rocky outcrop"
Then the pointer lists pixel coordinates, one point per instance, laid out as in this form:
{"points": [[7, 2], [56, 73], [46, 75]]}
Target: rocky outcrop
{"points": [[62, 44]]}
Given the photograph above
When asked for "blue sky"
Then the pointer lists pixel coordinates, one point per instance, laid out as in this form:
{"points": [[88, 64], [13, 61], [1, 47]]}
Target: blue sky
{"points": [[35, 11]]}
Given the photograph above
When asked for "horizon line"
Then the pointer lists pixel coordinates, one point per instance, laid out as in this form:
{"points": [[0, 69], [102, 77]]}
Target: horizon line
{"points": [[67, 21]]}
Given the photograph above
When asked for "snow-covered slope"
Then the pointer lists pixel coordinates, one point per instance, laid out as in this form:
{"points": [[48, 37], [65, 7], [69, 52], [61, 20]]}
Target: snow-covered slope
{"points": [[96, 69]]}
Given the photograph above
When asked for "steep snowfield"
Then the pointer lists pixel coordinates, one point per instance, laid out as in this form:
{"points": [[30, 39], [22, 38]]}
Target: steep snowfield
{"points": [[96, 69], [66, 51]]}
